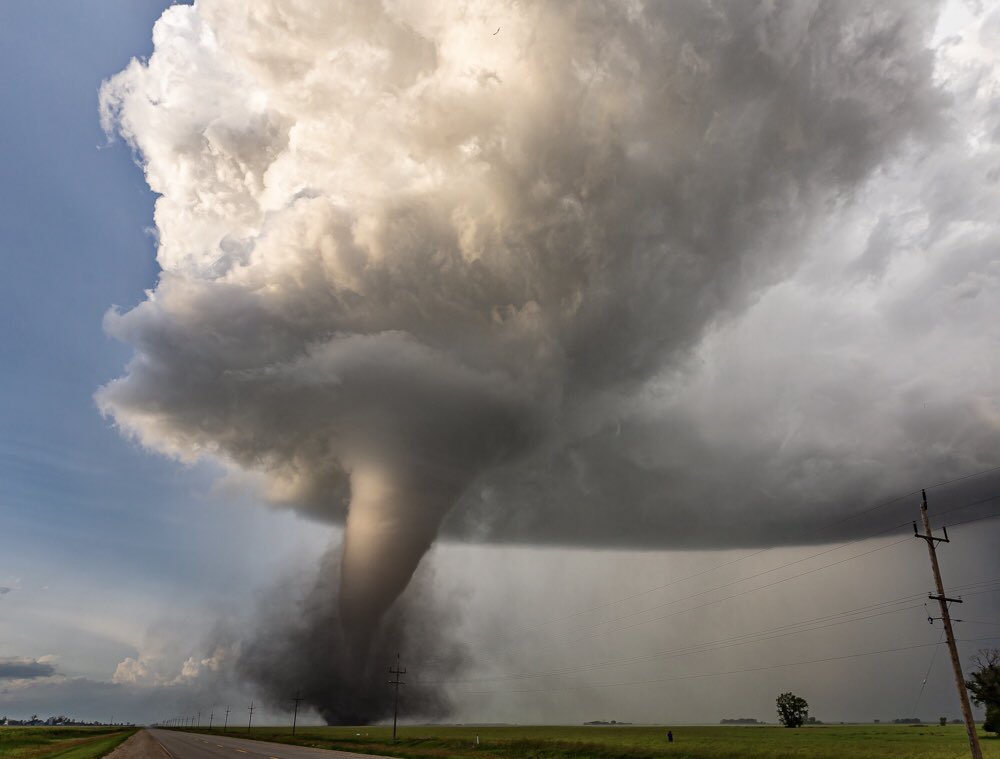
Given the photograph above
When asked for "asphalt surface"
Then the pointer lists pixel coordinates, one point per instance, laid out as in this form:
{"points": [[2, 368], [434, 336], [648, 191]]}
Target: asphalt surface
{"points": [[178, 745]]}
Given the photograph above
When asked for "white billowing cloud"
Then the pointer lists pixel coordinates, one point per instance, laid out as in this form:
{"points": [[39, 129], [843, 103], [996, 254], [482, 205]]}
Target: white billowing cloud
{"points": [[154, 670], [621, 273], [131, 671], [193, 667]]}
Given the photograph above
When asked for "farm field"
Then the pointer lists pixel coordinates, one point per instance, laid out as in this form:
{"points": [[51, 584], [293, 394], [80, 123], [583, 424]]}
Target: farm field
{"points": [[695, 742], [61, 742]]}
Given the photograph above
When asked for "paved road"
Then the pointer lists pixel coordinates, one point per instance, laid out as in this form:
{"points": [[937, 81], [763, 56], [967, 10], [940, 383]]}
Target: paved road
{"points": [[180, 745]]}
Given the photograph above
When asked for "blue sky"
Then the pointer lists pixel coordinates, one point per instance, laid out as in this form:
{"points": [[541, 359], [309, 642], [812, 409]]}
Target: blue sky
{"points": [[73, 217], [112, 552], [85, 512]]}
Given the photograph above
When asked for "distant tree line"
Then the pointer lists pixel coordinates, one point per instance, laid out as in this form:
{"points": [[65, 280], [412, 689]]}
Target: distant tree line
{"points": [[62, 720], [603, 722]]}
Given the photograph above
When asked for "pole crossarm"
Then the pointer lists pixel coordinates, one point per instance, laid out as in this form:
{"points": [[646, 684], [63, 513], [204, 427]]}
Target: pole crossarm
{"points": [[945, 599]]}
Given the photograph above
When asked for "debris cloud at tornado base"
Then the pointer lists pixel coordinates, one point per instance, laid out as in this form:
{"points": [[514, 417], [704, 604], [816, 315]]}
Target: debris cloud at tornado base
{"points": [[299, 648], [630, 274]]}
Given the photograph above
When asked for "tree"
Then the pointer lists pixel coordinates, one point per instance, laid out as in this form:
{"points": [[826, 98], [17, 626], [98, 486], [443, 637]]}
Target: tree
{"points": [[792, 710], [985, 686]]}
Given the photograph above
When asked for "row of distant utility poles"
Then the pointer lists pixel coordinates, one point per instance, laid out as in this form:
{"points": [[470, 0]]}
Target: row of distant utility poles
{"points": [[196, 720]]}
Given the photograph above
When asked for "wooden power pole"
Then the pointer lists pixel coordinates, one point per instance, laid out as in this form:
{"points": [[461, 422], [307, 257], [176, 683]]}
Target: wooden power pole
{"points": [[295, 716], [943, 601], [396, 672]]}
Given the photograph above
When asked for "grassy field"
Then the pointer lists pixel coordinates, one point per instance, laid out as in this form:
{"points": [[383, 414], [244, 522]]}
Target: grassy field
{"points": [[702, 742], [61, 742]]}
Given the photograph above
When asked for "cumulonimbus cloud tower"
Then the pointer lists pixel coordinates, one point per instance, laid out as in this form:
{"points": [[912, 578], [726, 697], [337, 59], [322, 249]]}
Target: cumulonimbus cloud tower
{"points": [[408, 262]]}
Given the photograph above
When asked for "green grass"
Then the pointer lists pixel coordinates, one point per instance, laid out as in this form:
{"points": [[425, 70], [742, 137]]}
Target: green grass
{"points": [[633, 742], [61, 742]]}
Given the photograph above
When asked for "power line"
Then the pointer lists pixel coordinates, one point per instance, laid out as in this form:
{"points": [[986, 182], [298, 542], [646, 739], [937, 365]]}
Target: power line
{"points": [[898, 498], [563, 641], [641, 593], [763, 572], [930, 666], [738, 640], [875, 610], [729, 597], [983, 586], [827, 526], [772, 584], [859, 614], [973, 519], [971, 586], [697, 676]]}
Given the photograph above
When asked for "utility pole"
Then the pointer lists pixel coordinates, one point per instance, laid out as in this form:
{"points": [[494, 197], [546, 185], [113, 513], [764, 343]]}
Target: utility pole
{"points": [[295, 715], [250, 721], [943, 601], [199, 718], [395, 702], [210, 715], [226, 723]]}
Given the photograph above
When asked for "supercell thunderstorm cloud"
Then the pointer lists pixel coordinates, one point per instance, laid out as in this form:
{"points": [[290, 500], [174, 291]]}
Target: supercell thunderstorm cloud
{"points": [[420, 277]]}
